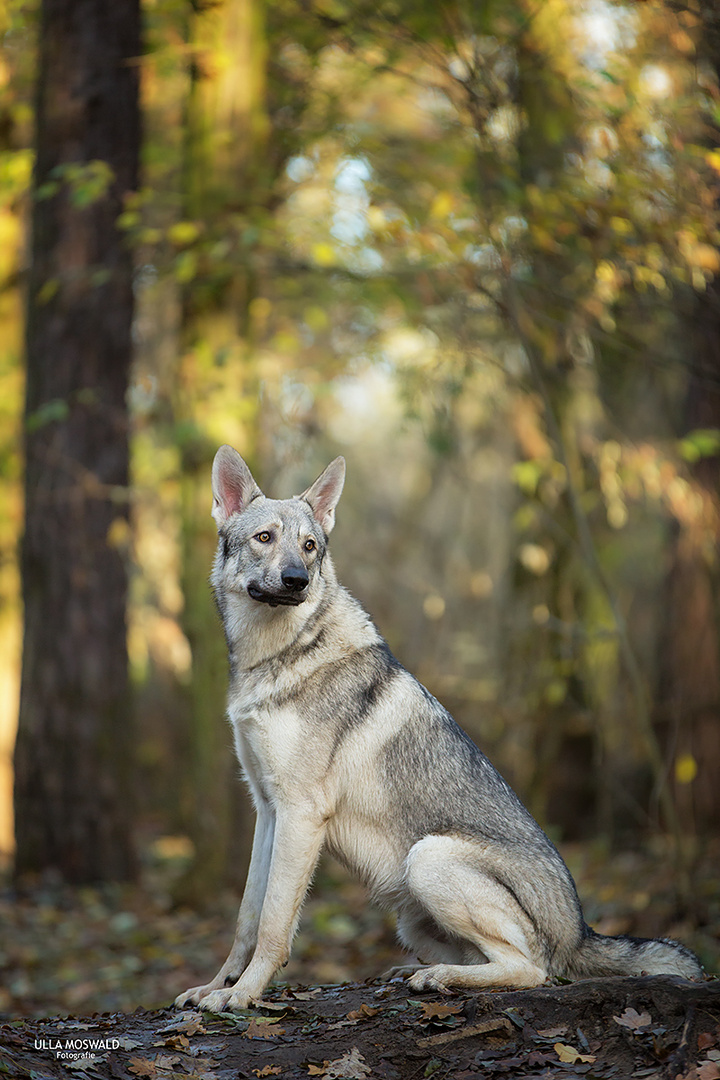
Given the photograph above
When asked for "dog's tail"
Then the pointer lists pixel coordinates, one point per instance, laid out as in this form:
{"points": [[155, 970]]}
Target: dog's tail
{"points": [[600, 955]]}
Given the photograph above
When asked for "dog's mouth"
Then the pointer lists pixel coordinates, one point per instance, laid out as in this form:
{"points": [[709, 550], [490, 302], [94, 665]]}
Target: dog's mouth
{"points": [[283, 599]]}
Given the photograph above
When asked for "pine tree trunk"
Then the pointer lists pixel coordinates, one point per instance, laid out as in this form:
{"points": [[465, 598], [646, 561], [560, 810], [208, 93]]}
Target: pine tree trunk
{"points": [[73, 747]]}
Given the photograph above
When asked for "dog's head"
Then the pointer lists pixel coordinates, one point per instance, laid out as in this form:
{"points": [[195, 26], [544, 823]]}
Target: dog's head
{"points": [[271, 549]]}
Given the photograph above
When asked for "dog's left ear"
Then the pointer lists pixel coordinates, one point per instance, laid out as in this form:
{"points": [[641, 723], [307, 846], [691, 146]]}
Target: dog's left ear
{"points": [[324, 494]]}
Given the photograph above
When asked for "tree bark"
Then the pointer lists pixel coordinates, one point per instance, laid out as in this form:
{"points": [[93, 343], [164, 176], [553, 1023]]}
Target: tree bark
{"points": [[73, 748]]}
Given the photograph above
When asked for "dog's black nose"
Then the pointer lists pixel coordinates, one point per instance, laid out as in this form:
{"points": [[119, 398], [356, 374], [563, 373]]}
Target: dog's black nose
{"points": [[295, 578]]}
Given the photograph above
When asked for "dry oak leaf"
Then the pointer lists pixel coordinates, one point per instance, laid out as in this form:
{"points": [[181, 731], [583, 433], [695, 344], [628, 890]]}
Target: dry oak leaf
{"points": [[167, 1062], [257, 1028], [142, 1067], [708, 1070], [269, 1070], [432, 1010], [350, 1066], [175, 1042], [363, 1012], [633, 1020], [570, 1055]]}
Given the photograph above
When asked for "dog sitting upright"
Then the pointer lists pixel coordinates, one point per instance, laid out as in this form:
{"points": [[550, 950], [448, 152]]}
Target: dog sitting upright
{"points": [[341, 747]]}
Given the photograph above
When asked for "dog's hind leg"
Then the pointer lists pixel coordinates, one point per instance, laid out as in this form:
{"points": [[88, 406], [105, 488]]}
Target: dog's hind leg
{"points": [[446, 877]]}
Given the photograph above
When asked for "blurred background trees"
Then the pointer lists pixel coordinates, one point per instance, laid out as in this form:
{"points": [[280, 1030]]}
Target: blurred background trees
{"points": [[474, 248]]}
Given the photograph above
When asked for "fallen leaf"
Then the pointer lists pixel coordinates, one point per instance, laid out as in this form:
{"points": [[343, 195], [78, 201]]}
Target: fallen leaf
{"points": [[432, 1011], [269, 1070], [350, 1066], [81, 1063], [708, 1070], [318, 1070], [187, 1023], [633, 1020], [167, 1061], [705, 1040], [570, 1055], [257, 1028], [536, 1057], [272, 1006], [142, 1067], [362, 1012], [552, 1033], [175, 1042], [128, 1044]]}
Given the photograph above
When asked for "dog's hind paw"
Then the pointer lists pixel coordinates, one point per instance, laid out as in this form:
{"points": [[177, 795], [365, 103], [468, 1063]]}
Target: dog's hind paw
{"points": [[429, 978], [400, 971]]}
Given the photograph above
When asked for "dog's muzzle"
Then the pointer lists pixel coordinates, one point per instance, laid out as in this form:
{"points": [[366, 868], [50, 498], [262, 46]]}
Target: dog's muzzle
{"points": [[295, 582]]}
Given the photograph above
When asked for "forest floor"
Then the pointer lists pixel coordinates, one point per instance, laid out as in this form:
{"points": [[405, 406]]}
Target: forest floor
{"points": [[660, 1028], [120, 955]]}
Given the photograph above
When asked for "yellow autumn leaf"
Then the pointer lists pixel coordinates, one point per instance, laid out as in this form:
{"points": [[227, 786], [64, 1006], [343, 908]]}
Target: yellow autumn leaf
{"points": [[441, 205], [323, 254], [621, 225], [570, 1055], [685, 769], [183, 232]]}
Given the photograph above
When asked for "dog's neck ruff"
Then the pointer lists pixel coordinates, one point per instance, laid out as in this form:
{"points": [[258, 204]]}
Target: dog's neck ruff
{"points": [[258, 632]]}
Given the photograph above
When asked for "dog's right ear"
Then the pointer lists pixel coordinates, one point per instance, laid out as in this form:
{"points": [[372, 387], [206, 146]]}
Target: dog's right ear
{"points": [[233, 486]]}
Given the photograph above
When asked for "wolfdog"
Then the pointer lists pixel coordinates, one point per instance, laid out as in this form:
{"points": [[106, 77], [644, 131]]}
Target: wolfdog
{"points": [[341, 747]]}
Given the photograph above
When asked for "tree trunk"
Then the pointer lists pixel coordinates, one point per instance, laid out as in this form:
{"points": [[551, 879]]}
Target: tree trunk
{"points": [[73, 747]]}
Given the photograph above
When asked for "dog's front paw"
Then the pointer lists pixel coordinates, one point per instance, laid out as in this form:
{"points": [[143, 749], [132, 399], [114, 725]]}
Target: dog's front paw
{"points": [[430, 978], [229, 999], [196, 994]]}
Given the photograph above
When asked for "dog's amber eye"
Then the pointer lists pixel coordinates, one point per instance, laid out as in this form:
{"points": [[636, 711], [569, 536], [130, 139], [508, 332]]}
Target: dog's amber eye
{"points": [[263, 537], [310, 545]]}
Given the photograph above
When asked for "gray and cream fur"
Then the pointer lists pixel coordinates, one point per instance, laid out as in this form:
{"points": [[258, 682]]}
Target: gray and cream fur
{"points": [[343, 749]]}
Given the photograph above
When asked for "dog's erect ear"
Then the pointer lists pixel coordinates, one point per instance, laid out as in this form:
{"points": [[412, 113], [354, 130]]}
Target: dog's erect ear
{"points": [[233, 486], [323, 495]]}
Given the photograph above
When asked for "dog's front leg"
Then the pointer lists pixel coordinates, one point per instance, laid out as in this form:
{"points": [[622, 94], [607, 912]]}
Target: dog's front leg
{"points": [[246, 929], [296, 848]]}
